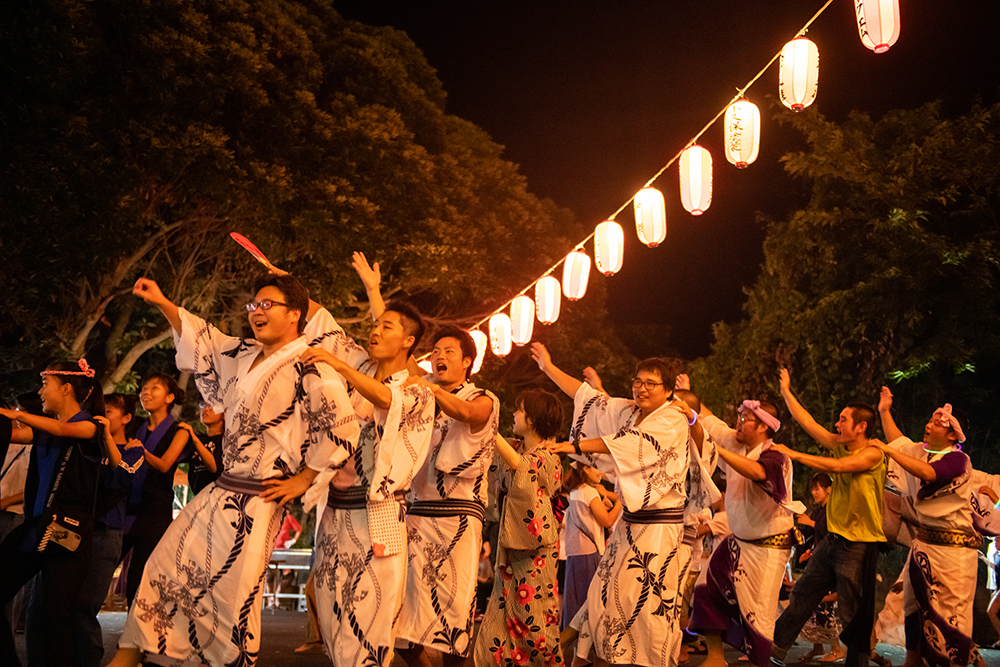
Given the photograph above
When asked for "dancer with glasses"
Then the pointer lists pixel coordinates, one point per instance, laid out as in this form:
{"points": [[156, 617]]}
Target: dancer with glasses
{"points": [[633, 602], [199, 600]]}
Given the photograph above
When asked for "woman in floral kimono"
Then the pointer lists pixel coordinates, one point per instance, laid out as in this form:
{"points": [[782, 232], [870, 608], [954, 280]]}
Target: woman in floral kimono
{"points": [[522, 621]]}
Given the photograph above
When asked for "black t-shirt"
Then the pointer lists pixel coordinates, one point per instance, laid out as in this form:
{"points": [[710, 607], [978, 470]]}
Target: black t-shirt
{"points": [[151, 501], [199, 476]]}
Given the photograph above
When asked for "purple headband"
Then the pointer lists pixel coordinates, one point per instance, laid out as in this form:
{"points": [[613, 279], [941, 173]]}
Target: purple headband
{"points": [[754, 406]]}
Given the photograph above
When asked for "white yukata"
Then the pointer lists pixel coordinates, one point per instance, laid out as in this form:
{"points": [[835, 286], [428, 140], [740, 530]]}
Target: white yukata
{"points": [[444, 527], [939, 578], [633, 604], [200, 596], [737, 593], [360, 566]]}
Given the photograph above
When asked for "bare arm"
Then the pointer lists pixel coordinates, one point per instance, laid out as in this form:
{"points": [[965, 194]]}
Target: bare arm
{"points": [[570, 385], [373, 390], [177, 445], [919, 469], [84, 430], [507, 453], [752, 470], [475, 412], [12, 499], [110, 447], [865, 458], [283, 490], [889, 427], [606, 517], [206, 456], [802, 416], [371, 276], [150, 292], [593, 445]]}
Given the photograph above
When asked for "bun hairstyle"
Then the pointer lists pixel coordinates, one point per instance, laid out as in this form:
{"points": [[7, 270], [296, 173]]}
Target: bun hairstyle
{"points": [[170, 385], [78, 375]]}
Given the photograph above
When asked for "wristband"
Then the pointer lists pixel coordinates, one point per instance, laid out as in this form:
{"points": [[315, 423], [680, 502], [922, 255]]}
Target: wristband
{"points": [[694, 418], [576, 448]]}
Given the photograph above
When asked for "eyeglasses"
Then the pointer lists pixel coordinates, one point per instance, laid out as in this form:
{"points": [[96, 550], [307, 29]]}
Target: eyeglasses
{"points": [[648, 384], [745, 417], [264, 304]]}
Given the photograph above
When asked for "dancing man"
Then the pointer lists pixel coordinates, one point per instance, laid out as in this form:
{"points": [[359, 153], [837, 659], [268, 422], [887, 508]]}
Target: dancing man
{"points": [[845, 561], [199, 599]]}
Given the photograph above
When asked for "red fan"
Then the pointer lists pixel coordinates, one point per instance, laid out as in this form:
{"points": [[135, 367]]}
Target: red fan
{"points": [[252, 249]]}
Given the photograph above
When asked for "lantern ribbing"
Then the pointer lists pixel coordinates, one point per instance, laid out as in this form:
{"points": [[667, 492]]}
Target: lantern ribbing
{"points": [[579, 246]]}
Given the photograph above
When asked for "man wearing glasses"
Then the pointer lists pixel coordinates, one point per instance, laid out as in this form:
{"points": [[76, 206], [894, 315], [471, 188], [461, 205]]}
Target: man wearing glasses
{"points": [[737, 599], [633, 604], [199, 600]]}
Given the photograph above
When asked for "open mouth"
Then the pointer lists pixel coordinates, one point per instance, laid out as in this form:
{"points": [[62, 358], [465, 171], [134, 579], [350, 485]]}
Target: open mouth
{"points": [[440, 367]]}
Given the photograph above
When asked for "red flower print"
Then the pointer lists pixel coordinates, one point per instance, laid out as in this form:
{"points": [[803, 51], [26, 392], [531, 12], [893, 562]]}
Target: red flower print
{"points": [[550, 658], [518, 656], [539, 492], [535, 526], [498, 655], [507, 572], [539, 562], [540, 643], [517, 628], [525, 594], [551, 617], [557, 475]]}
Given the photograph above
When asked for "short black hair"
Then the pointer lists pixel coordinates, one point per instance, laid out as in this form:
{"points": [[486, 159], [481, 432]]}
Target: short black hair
{"points": [[862, 412], [170, 384], [413, 322], [662, 368], [86, 390], [820, 479], [465, 341], [296, 294], [544, 410], [690, 398]]}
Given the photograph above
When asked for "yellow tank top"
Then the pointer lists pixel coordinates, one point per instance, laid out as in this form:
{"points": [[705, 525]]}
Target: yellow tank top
{"points": [[855, 508]]}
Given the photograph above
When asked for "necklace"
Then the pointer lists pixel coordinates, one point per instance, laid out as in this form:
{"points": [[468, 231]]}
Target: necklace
{"points": [[941, 451]]}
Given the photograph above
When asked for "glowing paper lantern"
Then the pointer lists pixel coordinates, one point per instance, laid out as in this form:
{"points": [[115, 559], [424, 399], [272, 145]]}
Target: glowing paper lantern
{"points": [[696, 179], [878, 23], [742, 133], [500, 335], [650, 216], [609, 245], [798, 74], [522, 319], [479, 338], [547, 299], [425, 365], [576, 274]]}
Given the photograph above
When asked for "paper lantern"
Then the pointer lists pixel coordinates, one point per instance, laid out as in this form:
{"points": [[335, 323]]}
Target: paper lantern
{"points": [[798, 74], [576, 274], [547, 298], [878, 23], [479, 338], [500, 335], [522, 319], [609, 244], [425, 366], [742, 133], [650, 216], [696, 179]]}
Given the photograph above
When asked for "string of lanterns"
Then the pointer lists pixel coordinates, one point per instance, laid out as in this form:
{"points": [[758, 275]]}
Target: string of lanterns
{"points": [[798, 77]]}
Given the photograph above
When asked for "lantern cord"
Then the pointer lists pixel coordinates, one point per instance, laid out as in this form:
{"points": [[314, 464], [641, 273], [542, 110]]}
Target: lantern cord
{"points": [[579, 246]]}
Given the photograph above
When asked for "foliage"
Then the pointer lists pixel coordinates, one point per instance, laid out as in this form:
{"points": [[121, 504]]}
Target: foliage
{"points": [[888, 276], [137, 134]]}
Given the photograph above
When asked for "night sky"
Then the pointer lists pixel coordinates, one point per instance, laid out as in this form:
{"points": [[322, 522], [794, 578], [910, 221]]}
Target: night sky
{"points": [[592, 98]]}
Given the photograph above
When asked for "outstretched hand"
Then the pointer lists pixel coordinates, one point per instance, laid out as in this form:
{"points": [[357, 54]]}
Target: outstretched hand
{"points": [[785, 381], [370, 275], [148, 291], [682, 382], [541, 356], [591, 377], [885, 400]]}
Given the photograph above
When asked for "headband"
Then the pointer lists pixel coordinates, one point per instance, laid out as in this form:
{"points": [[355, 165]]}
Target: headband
{"points": [[85, 369], [768, 419], [945, 418]]}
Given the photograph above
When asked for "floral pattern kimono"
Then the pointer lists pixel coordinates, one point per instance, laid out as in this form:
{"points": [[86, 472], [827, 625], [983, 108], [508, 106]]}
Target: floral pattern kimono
{"points": [[522, 621]]}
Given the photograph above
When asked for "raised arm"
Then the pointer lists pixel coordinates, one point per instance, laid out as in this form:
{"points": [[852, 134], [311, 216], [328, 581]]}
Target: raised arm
{"points": [[569, 384], [206, 456], [885, 414], [150, 292], [919, 469], [373, 390], [475, 412], [865, 458], [508, 454], [83, 430], [802, 416], [371, 276], [110, 447]]}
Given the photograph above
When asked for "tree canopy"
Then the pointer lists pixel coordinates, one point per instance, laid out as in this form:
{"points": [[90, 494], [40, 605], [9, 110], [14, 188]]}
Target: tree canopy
{"points": [[137, 134], [887, 276]]}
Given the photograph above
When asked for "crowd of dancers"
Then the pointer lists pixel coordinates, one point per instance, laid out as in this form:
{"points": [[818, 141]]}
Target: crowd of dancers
{"points": [[405, 469]]}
